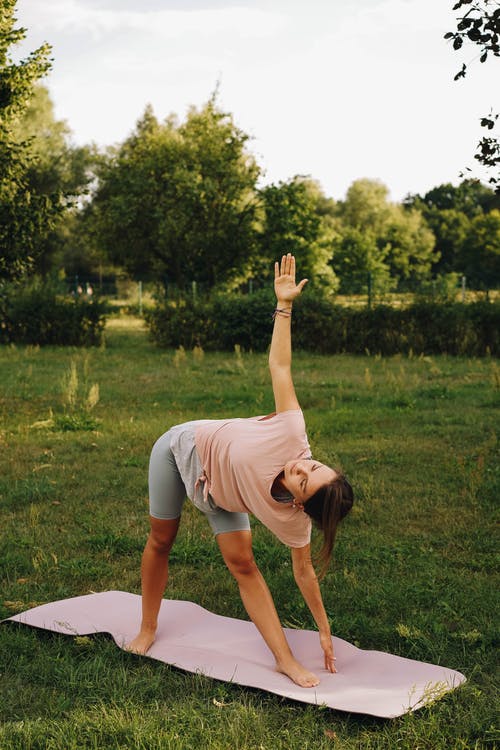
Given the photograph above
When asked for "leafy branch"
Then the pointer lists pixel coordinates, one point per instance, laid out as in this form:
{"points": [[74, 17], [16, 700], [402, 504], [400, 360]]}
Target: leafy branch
{"points": [[480, 25]]}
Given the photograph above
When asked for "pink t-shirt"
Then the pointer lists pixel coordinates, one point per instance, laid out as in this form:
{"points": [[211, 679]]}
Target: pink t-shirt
{"points": [[241, 459]]}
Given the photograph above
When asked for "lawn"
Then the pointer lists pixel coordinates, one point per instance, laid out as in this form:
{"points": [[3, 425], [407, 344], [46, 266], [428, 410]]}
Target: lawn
{"points": [[414, 568]]}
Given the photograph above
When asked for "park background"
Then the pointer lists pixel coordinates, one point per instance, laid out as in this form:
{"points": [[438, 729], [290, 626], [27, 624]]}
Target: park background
{"points": [[135, 293]]}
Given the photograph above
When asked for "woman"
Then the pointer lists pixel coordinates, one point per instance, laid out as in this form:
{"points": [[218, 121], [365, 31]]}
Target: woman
{"points": [[260, 465]]}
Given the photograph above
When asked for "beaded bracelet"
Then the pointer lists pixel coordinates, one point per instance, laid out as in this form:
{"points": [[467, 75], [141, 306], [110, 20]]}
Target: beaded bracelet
{"points": [[286, 311]]}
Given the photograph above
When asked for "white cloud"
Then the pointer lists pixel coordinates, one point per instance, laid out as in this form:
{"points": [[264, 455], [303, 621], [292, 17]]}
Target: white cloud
{"points": [[77, 17]]}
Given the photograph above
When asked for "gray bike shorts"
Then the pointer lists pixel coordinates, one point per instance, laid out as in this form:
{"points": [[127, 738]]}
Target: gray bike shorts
{"points": [[168, 491]]}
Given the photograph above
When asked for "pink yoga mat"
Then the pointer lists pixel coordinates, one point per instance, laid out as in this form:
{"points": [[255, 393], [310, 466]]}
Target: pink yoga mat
{"points": [[193, 639]]}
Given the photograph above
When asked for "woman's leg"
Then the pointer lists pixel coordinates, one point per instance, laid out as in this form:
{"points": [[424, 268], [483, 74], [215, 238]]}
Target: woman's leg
{"points": [[236, 548], [154, 576], [166, 498]]}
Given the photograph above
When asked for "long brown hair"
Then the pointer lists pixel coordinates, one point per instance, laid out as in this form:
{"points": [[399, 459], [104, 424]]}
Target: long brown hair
{"points": [[327, 507]]}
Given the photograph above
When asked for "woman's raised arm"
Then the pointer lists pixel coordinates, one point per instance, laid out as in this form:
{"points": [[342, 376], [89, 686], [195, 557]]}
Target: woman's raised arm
{"points": [[280, 354]]}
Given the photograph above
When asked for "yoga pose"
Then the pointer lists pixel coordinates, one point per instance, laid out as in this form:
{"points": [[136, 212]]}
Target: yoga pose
{"points": [[232, 467]]}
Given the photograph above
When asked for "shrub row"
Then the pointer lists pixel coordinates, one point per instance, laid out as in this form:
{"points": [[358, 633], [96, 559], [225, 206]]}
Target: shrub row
{"points": [[36, 314], [321, 326]]}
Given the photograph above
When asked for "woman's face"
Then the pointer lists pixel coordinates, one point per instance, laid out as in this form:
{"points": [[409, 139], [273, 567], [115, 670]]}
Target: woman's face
{"points": [[304, 477]]}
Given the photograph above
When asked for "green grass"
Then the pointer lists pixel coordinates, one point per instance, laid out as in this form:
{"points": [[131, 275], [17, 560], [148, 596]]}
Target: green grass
{"points": [[414, 569]]}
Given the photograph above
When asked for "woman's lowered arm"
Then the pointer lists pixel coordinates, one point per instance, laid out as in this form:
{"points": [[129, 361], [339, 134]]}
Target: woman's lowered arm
{"points": [[307, 581]]}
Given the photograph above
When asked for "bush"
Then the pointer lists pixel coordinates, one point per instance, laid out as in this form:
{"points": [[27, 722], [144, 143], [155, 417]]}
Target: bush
{"points": [[35, 313], [321, 326], [219, 323]]}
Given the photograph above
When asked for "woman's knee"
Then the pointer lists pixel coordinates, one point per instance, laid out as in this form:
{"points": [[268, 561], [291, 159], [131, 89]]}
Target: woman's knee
{"points": [[162, 533], [242, 567], [236, 548]]}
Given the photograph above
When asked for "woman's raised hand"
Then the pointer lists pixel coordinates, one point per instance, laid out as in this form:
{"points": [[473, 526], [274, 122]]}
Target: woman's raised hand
{"points": [[284, 280]]}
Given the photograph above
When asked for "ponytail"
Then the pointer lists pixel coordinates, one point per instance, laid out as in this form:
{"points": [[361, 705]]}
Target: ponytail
{"points": [[327, 507]]}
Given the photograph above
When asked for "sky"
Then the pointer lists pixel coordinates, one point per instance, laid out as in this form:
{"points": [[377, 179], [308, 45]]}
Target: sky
{"points": [[335, 90]]}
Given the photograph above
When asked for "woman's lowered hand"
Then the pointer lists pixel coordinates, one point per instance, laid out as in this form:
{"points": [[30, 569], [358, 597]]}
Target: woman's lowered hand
{"points": [[326, 644]]}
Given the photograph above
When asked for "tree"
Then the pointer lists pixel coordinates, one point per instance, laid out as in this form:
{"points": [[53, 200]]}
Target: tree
{"points": [[409, 245], [359, 262], [25, 215], [450, 212], [394, 245], [471, 197], [293, 223], [55, 165], [480, 26], [481, 252], [57, 170], [450, 227], [366, 206], [178, 202]]}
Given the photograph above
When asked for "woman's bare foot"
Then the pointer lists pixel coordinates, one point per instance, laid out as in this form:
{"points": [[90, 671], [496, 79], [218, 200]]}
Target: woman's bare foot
{"points": [[297, 673], [141, 643]]}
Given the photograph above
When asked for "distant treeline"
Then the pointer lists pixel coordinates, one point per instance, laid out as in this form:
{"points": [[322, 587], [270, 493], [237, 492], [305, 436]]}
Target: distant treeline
{"points": [[180, 202]]}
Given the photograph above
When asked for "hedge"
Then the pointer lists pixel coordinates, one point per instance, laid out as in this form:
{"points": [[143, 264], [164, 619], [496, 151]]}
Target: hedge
{"points": [[321, 326], [36, 314]]}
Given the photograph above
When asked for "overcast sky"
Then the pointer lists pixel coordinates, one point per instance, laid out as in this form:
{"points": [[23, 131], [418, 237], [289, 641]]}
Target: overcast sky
{"points": [[333, 89]]}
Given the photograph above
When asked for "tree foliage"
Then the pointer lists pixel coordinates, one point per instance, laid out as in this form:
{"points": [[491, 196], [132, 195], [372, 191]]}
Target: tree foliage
{"points": [[358, 261], [470, 197], [410, 245], [26, 215], [57, 170], [56, 165], [481, 251], [379, 239], [178, 202], [457, 217], [293, 223], [479, 25]]}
